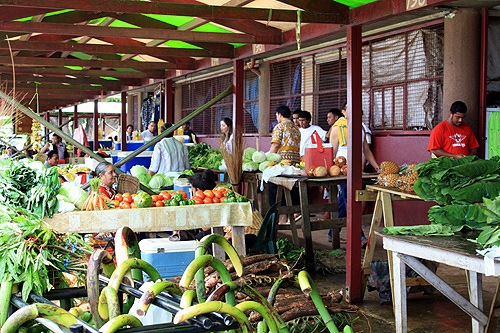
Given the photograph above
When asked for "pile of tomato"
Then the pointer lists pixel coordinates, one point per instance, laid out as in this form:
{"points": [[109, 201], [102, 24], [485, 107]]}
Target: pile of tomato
{"points": [[180, 198]]}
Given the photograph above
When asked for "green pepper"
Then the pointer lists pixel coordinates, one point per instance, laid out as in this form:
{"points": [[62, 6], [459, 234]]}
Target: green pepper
{"points": [[174, 203], [167, 203], [230, 194], [191, 202], [177, 197], [242, 199], [183, 202], [230, 199]]}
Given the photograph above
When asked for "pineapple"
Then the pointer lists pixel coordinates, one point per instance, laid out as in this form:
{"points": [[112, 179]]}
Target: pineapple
{"points": [[393, 180], [388, 167]]}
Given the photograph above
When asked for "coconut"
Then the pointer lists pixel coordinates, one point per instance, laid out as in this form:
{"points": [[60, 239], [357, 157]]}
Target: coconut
{"points": [[320, 171], [334, 170], [344, 170], [340, 161], [310, 172]]}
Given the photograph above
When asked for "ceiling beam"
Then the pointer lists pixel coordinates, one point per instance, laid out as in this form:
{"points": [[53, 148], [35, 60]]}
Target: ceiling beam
{"points": [[145, 33], [58, 62], [156, 74], [71, 92], [14, 13], [169, 8], [109, 84], [98, 48], [320, 6], [48, 86]]}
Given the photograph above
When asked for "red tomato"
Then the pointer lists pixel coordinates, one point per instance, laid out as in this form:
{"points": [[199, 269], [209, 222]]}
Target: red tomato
{"points": [[132, 205], [200, 194], [127, 199], [217, 193], [160, 204], [216, 200], [198, 200], [119, 197], [166, 195], [116, 203], [125, 205], [154, 197], [208, 200], [184, 194], [222, 200], [209, 193], [161, 197]]}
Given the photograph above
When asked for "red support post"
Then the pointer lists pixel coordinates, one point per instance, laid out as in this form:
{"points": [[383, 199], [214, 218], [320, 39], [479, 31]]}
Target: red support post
{"points": [[354, 151], [96, 125], [123, 121], [59, 118], [169, 101], [238, 86], [75, 125], [483, 76], [47, 118]]}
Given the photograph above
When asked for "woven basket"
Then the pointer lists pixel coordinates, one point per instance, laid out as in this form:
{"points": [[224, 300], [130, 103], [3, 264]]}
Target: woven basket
{"points": [[127, 184], [40, 157]]}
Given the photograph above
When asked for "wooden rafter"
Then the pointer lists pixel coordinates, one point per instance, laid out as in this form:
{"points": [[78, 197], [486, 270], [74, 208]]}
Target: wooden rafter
{"points": [[159, 74], [109, 84], [180, 9]]}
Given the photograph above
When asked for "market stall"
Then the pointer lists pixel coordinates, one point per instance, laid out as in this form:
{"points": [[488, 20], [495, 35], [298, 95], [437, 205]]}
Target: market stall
{"points": [[237, 215]]}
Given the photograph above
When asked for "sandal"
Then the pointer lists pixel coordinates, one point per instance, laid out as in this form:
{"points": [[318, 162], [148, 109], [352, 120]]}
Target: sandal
{"points": [[174, 238]]}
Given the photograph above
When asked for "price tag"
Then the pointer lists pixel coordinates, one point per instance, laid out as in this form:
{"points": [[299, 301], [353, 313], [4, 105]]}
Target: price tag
{"points": [[178, 72], [215, 61], [258, 48], [414, 4]]}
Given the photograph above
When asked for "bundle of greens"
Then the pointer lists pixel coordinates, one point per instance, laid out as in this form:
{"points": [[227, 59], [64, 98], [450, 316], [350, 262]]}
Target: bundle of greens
{"points": [[472, 216], [462, 181], [490, 236], [202, 156], [422, 230], [42, 197], [32, 253]]}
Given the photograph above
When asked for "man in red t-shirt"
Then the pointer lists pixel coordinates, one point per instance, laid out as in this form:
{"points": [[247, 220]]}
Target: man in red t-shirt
{"points": [[452, 137]]}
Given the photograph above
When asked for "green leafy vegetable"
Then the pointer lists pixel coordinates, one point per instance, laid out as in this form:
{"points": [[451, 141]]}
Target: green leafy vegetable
{"points": [[202, 156]]}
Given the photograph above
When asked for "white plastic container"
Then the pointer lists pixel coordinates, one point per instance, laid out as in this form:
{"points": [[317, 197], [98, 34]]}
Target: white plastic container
{"points": [[184, 185], [170, 259]]}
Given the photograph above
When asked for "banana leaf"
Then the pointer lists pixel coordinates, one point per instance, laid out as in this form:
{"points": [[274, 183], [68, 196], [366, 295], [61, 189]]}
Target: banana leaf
{"points": [[423, 230], [472, 216], [475, 192]]}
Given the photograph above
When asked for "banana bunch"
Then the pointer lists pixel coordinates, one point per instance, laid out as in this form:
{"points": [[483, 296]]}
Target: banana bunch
{"points": [[286, 162], [36, 137], [64, 172], [80, 169]]}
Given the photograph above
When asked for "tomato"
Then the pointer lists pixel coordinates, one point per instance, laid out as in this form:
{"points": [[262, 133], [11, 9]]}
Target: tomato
{"points": [[132, 205], [200, 194], [208, 200], [160, 204], [126, 194], [126, 205], [198, 200], [119, 197], [154, 197], [223, 200], [166, 195], [216, 200], [184, 194], [217, 193], [116, 203], [127, 199], [209, 193]]}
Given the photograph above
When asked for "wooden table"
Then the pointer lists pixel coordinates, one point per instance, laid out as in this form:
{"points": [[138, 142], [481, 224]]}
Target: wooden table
{"points": [[157, 219], [383, 197], [454, 251], [306, 209]]}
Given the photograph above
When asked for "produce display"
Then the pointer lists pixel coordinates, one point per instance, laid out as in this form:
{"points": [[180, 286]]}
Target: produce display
{"points": [[36, 137], [202, 156], [393, 175], [254, 160]]}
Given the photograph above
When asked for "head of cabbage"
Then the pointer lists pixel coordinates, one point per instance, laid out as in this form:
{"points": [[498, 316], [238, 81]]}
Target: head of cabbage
{"points": [[157, 181], [144, 178], [250, 166], [247, 153], [259, 157], [137, 170]]}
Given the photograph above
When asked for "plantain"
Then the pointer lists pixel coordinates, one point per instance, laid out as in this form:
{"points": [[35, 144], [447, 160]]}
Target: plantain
{"points": [[121, 321], [109, 306], [148, 297]]}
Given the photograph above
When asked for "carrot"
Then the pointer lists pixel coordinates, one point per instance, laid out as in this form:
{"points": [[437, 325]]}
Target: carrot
{"points": [[100, 201]]}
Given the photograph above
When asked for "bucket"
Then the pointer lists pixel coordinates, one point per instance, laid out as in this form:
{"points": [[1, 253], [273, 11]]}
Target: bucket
{"points": [[183, 185], [318, 153], [146, 140]]}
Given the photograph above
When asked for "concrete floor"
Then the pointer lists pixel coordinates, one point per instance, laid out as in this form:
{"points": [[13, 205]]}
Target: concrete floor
{"points": [[426, 313]]}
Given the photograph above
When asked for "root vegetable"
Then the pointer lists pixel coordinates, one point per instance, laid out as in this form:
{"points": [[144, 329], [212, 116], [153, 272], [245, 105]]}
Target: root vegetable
{"points": [[334, 170], [310, 172], [344, 170], [320, 171], [96, 201]]}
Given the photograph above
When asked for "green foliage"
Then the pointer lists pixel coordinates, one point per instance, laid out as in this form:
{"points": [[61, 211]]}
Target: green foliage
{"points": [[287, 250], [202, 156]]}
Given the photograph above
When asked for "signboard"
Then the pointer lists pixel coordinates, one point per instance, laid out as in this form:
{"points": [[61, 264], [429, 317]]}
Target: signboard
{"points": [[215, 61], [258, 48], [414, 4]]}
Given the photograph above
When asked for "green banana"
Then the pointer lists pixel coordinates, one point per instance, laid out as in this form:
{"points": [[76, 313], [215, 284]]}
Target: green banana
{"points": [[125, 266], [121, 321], [266, 314], [19, 317], [5, 294], [197, 265], [148, 297], [56, 314], [261, 327], [109, 306], [86, 316], [216, 306], [308, 287], [187, 299], [76, 311], [97, 259], [201, 249], [348, 329]]}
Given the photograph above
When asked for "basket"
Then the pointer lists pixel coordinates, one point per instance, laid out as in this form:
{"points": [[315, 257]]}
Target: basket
{"points": [[40, 157], [127, 184]]}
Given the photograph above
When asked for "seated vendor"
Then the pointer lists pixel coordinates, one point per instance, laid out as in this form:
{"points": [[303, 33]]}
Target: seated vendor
{"points": [[206, 181], [107, 175], [52, 159]]}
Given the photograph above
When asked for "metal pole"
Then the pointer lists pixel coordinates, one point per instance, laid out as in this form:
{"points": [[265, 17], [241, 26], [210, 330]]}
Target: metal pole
{"points": [[186, 119], [15, 149]]}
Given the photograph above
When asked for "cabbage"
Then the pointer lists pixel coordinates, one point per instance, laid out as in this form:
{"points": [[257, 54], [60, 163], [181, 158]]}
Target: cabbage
{"points": [[273, 157], [157, 181], [250, 166], [263, 165], [75, 194], [138, 170], [168, 181], [259, 157], [144, 179], [248, 153]]}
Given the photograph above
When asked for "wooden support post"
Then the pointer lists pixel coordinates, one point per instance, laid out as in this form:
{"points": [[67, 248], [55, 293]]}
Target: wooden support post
{"points": [[123, 121], [293, 226], [218, 252], [75, 125], [59, 117], [354, 149], [306, 225], [169, 101], [238, 86], [46, 116], [96, 125]]}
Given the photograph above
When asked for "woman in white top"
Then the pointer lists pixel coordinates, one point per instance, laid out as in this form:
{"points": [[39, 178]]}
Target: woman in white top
{"points": [[226, 129]]}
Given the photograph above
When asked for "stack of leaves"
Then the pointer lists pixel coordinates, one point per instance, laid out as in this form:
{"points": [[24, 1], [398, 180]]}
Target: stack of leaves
{"points": [[465, 180], [31, 252], [42, 197], [202, 156], [490, 236], [460, 216]]}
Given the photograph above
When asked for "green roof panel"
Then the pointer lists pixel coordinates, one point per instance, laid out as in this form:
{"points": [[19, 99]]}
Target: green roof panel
{"points": [[169, 19], [121, 24], [180, 44], [210, 28]]}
